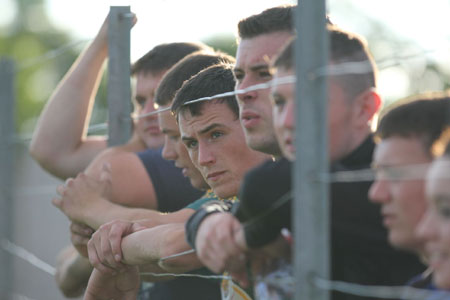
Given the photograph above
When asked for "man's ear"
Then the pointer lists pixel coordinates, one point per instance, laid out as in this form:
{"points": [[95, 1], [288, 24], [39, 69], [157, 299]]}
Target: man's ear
{"points": [[366, 106]]}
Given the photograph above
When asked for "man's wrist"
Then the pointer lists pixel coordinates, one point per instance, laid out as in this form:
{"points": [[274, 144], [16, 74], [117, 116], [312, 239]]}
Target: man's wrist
{"points": [[97, 213], [194, 222]]}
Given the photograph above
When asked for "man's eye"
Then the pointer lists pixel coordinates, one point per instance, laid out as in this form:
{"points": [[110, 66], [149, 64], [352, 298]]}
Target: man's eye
{"points": [[191, 144], [216, 134], [239, 76], [389, 173], [265, 74], [279, 102], [140, 102]]}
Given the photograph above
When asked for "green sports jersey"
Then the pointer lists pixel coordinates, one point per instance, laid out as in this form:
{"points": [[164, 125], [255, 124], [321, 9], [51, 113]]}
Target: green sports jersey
{"points": [[208, 196]]}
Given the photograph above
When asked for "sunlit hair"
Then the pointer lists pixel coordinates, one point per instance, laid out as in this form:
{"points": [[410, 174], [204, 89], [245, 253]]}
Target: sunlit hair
{"points": [[185, 69], [344, 47], [442, 146], [164, 56], [347, 47], [424, 117], [211, 81], [273, 19]]}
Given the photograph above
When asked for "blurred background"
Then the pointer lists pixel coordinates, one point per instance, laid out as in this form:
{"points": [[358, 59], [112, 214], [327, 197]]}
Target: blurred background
{"points": [[410, 40]]}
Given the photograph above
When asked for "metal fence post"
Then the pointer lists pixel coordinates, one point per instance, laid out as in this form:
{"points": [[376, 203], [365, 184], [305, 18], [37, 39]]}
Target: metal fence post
{"points": [[119, 90], [310, 213], [7, 74]]}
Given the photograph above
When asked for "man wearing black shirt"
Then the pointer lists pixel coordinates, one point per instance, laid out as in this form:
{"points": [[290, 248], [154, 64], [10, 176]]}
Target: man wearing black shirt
{"points": [[360, 252]]}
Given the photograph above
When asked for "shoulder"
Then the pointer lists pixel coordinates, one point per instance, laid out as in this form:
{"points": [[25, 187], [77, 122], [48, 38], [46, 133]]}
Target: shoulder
{"points": [[265, 184], [269, 171], [118, 159], [150, 154]]}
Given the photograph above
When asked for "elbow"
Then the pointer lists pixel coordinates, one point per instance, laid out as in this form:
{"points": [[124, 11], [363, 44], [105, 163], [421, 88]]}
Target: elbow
{"points": [[41, 153], [47, 158], [35, 150]]}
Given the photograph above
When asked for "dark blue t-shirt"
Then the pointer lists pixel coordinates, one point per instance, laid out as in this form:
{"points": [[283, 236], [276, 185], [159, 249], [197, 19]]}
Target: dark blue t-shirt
{"points": [[173, 190]]}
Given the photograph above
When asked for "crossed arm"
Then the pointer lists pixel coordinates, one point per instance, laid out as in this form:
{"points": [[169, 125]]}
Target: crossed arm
{"points": [[121, 243]]}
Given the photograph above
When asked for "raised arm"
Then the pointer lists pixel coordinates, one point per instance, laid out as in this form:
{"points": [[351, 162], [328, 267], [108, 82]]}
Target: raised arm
{"points": [[60, 143]]}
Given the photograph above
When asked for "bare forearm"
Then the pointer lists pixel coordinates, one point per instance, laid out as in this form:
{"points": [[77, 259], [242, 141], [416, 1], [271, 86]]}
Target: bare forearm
{"points": [[149, 246], [103, 214], [105, 211]]}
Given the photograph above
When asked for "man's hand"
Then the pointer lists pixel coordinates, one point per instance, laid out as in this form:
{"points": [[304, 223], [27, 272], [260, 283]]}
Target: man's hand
{"points": [[123, 285], [216, 244], [80, 235], [102, 35], [262, 260], [83, 196], [105, 246]]}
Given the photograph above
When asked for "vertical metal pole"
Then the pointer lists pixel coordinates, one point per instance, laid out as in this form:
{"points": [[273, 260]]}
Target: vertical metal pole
{"points": [[119, 90], [7, 71], [311, 216]]}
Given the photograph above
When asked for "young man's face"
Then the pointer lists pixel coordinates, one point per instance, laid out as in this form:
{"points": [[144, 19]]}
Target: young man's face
{"points": [[340, 138], [252, 59], [176, 151], [216, 144], [147, 128], [284, 113], [402, 199], [435, 225]]}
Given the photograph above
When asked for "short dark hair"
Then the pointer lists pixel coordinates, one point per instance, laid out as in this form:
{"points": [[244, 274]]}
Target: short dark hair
{"points": [[347, 47], [424, 117], [185, 69], [164, 56], [343, 47], [279, 18], [211, 81]]}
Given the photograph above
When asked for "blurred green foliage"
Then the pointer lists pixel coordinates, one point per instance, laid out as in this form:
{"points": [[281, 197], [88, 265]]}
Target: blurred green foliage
{"points": [[29, 40], [43, 54], [223, 42]]}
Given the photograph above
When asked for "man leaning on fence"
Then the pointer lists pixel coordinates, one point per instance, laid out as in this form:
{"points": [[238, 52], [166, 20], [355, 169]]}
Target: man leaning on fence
{"points": [[65, 150], [360, 252]]}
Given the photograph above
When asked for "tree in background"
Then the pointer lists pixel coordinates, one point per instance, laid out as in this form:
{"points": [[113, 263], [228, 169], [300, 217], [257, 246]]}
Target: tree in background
{"points": [[31, 41]]}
